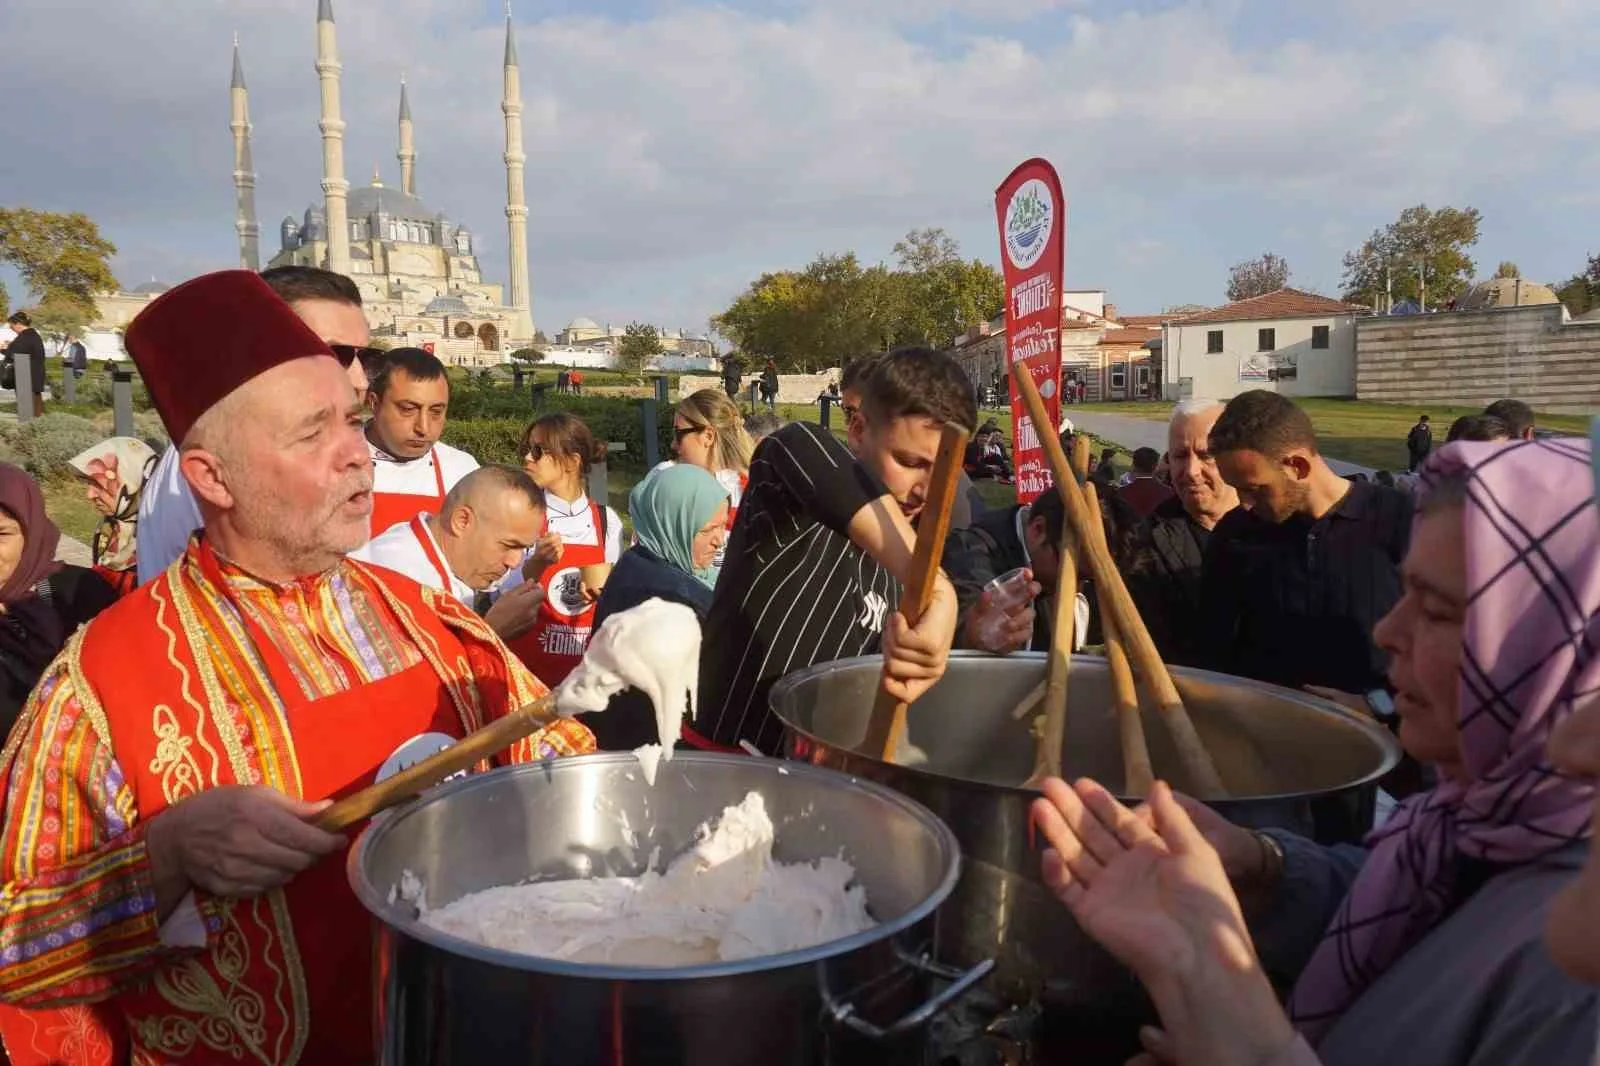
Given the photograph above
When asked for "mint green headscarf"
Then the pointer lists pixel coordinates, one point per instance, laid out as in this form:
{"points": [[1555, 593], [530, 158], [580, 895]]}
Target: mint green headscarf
{"points": [[669, 507]]}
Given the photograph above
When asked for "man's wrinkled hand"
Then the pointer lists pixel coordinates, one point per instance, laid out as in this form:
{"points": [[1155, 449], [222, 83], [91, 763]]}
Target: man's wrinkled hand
{"points": [[238, 841]]}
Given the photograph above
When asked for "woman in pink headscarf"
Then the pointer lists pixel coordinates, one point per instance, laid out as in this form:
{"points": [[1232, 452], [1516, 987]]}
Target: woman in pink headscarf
{"points": [[1431, 949], [114, 472]]}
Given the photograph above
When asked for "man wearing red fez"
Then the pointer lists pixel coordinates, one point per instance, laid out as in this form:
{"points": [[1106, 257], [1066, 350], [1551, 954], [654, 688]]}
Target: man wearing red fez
{"points": [[163, 894]]}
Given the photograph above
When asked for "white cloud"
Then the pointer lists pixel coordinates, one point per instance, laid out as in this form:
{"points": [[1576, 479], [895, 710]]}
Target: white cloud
{"points": [[674, 157]]}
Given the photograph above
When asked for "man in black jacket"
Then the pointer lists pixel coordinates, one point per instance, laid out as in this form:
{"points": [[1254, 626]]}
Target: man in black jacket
{"points": [[1164, 573], [997, 542], [27, 342]]}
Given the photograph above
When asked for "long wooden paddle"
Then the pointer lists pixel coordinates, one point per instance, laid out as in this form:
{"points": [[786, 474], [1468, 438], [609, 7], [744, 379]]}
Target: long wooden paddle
{"points": [[1202, 773], [1137, 776], [888, 721], [417, 778], [1058, 664]]}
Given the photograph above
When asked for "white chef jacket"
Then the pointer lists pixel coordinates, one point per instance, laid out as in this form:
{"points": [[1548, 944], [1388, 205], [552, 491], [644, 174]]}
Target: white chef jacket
{"points": [[409, 548]]}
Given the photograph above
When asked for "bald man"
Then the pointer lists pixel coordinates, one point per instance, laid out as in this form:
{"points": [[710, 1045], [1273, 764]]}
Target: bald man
{"points": [[1164, 577], [488, 521]]}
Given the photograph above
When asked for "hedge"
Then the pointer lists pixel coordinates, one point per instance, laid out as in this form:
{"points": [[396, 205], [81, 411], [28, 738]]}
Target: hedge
{"points": [[489, 425]]}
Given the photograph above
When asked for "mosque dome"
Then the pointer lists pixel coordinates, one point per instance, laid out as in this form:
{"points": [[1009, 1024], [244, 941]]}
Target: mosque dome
{"points": [[392, 202], [447, 305], [1506, 292], [583, 323]]}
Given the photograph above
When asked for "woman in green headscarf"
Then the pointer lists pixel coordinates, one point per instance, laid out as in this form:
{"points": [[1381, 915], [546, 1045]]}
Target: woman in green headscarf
{"points": [[680, 516]]}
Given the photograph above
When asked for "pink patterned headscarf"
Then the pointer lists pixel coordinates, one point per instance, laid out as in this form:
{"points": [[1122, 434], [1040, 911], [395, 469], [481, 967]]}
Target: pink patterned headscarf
{"points": [[1528, 655]]}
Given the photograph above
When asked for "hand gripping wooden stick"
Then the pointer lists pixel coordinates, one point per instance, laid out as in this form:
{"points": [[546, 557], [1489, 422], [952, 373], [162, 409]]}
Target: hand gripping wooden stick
{"points": [[1202, 773], [888, 721], [1137, 776], [417, 778]]}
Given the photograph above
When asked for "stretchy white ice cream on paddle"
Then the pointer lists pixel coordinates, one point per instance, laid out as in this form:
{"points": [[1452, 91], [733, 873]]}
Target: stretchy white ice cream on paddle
{"points": [[723, 899], [655, 648]]}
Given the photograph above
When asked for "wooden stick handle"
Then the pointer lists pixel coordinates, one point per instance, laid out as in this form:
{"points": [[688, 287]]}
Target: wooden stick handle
{"points": [[1047, 758], [417, 778], [1202, 773], [1137, 775], [888, 719], [1028, 702], [1080, 458]]}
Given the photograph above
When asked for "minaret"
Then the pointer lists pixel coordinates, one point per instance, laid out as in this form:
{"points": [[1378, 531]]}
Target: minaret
{"points": [[516, 205], [334, 188], [244, 176], [408, 148]]}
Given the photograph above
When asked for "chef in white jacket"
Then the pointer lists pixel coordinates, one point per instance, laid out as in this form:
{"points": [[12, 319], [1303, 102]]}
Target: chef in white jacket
{"points": [[487, 523]]}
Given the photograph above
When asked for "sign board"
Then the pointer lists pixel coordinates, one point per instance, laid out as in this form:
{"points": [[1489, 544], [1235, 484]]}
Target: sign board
{"points": [[1032, 215]]}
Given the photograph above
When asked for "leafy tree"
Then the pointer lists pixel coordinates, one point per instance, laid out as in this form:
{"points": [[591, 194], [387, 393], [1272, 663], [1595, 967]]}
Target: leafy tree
{"points": [[58, 255], [59, 317], [1421, 247], [1577, 293], [639, 345], [1507, 269], [1257, 277], [528, 355], [835, 309], [5, 301]]}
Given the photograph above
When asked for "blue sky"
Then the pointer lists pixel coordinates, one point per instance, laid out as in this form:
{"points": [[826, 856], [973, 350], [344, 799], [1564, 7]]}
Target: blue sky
{"points": [[677, 150]]}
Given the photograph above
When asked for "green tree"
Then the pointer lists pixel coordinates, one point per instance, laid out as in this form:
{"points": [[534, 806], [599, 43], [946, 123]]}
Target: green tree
{"points": [[1420, 249], [60, 317], [940, 294], [5, 301], [639, 344], [1257, 277], [528, 355], [1507, 269], [1577, 293], [60, 256]]}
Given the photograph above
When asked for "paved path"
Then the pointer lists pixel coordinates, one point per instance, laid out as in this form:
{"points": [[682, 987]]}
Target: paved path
{"points": [[1134, 433], [74, 552]]}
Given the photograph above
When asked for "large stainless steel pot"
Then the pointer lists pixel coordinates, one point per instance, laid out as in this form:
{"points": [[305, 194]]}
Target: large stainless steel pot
{"points": [[443, 1001], [1275, 749]]}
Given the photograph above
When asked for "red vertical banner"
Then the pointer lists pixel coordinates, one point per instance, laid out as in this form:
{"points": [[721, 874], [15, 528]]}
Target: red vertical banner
{"points": [[1032, 213]]}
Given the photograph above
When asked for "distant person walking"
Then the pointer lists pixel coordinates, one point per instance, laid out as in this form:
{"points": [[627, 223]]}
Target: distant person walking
{"points": [[77, 355], [1419, 442], [576, 381], [769, 386], [731, 373], [27, 342]]}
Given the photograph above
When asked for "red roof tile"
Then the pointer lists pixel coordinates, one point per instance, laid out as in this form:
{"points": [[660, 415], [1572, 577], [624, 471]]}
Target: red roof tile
{"points": [[1132, 335], [1284, 303], [1145, 320]]}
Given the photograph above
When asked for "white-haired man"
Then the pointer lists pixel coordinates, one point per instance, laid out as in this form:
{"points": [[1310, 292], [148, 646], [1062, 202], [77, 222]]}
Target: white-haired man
{"points": [[1165, 578]]}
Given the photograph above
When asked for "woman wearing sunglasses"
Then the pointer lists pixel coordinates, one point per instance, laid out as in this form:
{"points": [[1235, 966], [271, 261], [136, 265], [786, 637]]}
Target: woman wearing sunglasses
{"points": [[708, 432], [583, 540]]}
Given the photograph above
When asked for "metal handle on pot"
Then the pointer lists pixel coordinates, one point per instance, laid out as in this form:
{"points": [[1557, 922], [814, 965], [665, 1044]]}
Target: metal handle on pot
{"points": [[842, 1012]]}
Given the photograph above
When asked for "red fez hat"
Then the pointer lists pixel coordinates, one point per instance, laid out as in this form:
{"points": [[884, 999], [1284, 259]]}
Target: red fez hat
{"points": [[198, 342]]}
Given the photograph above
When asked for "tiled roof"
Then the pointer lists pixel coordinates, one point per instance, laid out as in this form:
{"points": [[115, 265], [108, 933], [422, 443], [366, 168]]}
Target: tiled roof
{"points": [[1284, 303], [1144, 320], [1131, 335]]}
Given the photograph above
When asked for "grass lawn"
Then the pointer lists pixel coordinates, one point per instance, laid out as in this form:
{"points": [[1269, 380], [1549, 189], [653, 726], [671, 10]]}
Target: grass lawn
{"points": [[68, 506], [1371, 434]]}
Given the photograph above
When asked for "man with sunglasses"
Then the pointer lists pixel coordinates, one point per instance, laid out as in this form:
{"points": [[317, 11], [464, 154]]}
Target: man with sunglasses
{"points": [[331, 305]]}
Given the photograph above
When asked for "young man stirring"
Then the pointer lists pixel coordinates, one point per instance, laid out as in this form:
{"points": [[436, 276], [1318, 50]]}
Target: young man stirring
{"points": [[822, 546]]}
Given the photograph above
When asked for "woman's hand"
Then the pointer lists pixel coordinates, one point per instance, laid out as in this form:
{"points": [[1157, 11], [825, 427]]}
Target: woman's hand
{"points": [[1243, 859], [546, 552], [1149, 889]]}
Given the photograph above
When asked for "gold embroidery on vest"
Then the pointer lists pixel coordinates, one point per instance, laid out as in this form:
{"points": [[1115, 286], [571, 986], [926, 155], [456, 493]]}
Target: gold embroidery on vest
{"points": [[179, 772], [185, 688], [226, 1017]]}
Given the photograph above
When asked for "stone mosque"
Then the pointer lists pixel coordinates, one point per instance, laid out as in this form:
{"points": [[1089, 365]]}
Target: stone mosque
{"points": [[417, 270]]}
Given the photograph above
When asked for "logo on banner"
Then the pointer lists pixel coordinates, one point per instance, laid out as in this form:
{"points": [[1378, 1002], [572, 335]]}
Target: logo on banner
{"points": [[566, 592], [1029, 217]]}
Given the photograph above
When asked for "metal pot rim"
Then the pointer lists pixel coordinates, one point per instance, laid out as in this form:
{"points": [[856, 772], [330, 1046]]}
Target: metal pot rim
{"points": [[402, 918], [1380, 735]]}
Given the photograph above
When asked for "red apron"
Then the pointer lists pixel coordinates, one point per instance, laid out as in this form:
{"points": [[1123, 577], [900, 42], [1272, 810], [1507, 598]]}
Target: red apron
{"points": [[392, 508], [339, 744], [560, 634], [420, 531]]}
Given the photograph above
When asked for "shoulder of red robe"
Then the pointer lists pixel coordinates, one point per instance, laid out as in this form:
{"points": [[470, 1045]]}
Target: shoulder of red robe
{"points": [[198, 342]]}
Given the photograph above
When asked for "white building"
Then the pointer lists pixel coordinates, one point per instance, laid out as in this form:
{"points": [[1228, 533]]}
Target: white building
{"points": [[1292, 342]]}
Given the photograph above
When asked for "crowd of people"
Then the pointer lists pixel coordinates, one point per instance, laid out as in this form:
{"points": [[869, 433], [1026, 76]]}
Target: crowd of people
{"points": [[309, 549]]}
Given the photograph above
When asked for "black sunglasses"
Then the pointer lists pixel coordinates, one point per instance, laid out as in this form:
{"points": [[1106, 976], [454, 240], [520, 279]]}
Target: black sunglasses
{"points": [[349, 353], [678, 433]]}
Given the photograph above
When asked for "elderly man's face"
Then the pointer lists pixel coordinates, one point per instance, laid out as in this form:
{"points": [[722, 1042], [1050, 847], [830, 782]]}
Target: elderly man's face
{"points": [[298, 469], [1195, 477]]}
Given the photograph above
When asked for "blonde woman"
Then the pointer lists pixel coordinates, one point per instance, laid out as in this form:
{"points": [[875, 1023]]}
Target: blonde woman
{"points": [[708, 432]]}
